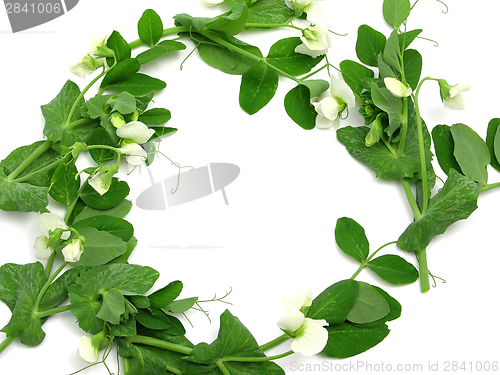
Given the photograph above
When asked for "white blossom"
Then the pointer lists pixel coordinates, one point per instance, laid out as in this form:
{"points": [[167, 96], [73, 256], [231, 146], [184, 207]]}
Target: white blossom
{"points": [[42, 250], [85, 66], [73, 250], [134, 153], [331, 104], [135, 132], [397, 88], [452, 95], [315, 39], [87, 351], [48, 222], [309, 335], [100, 182], [311, 7]]}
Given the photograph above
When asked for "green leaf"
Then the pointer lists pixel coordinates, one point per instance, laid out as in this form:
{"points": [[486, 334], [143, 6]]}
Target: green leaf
{"points": [[396, 12], [493, 142], [405, 39], [159, 50], [181, 305], [115, 195], [231, 24], [258, 86], [120, 46], [120, 211], [444, 146], [100, 136], [393, 106], [150, 27], [392, 52], [225, 60], [161, 132], [471, 152], [100, 247], [113, 225], [269, 12], [369, 305], [19, 289], [155, 116], [57, 292], [354, 74], [394, 269], [124, 103], [56, 112], [282, 55], [335, 302], [394, 305], [347, 340], [298, 102], [413, 67], [86, 294], [123, 70], [143, 359], [455, 201], [351, 239], [369, 44], [153, 319], [113, 306], [166, 295], [37, 173], [131, 244], [19, 196], [66, 183], [138, 84]]}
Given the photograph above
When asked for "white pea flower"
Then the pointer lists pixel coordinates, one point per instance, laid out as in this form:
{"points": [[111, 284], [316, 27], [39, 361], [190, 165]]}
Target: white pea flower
{"points": [[309, 335], [397, 88], [331, 104], [452, 95], [311, 7], [135, 132], [85, 66], [98, 48], [48, 222], [134, 153], [42, 249], [87, 351], [100, 182], [73, 250], [212, 2], [315, 39]]}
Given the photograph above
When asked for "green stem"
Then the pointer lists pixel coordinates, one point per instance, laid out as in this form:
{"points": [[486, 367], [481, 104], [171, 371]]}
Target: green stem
{"points": [[242, 52], [46, 286], [82, 121], [411, 199], [44, 169], [270, 26], [404, 127], [50, 263], [173, 370], [222, 368], [157, 343], [271, 344], [489, 187], [5, 343], [365, 263], [313, 73], [30, 159], [424, 272], [256, 359], [57, 310]]}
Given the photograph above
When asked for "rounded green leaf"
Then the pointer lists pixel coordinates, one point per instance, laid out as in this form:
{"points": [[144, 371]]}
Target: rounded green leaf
{"points": [[115, 195], [493, 142], [258, 86], [394, 269], [369, 305], [298, 106], [354, 74], [351, 239], [444, 146], [396, 12], [471, 152], [150, 27], [166, 295], [369, 44]]}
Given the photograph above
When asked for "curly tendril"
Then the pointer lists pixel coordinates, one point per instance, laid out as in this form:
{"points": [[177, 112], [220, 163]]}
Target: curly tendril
{"points": [[446, 6]]}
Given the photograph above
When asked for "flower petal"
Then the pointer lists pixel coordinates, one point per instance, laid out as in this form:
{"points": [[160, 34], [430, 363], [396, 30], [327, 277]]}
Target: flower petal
{"points": [[456, 102], [98, 183], [341, 91], [456, 90], [311, 337], [42, 251], [50, 222], [397, 88], [328, 107], [73, 251], [135, 131], [291, 318], [86, 351], [135, 153], [298, 299], [314, 12]]}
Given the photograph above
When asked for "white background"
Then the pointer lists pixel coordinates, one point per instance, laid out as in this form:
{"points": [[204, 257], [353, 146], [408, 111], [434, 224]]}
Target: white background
{"points": [[277, 232]]}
